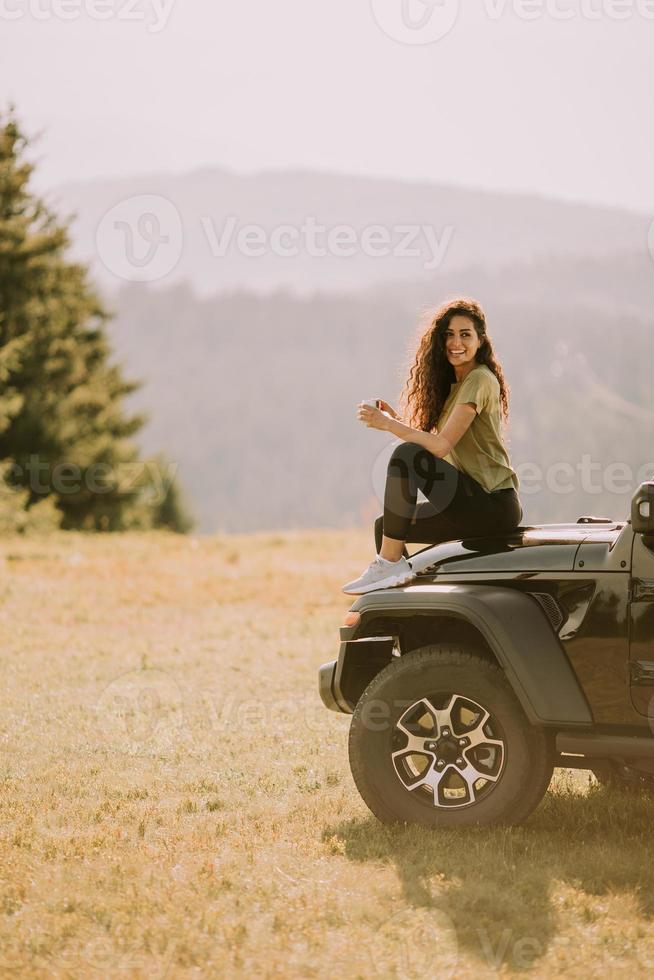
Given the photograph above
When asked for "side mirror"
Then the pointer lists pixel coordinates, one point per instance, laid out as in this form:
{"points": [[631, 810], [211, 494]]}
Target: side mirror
{"points": [[642, 509]]}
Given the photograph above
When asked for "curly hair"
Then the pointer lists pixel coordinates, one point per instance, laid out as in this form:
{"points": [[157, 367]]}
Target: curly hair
{"points": [[428, 385]]}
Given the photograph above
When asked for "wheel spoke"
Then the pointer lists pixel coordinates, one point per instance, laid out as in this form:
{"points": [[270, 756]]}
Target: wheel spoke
{"points": [[405, 754], [444, 716], [417, 743], [477, 736], [471, 775], [434, 777]]}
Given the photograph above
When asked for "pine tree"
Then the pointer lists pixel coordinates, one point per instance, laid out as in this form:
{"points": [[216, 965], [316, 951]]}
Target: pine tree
{"points": [[171, 510], [63, 425]]}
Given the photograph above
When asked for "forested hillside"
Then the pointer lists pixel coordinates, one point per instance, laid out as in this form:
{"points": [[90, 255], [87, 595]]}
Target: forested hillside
{"points": [[255, 396]]}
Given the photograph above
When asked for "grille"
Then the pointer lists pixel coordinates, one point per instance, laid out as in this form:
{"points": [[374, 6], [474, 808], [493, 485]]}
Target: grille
{"points": [[550, 607]]}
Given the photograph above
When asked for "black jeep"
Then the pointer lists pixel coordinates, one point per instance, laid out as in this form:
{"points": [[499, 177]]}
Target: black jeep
{"points": [[505, 657]]}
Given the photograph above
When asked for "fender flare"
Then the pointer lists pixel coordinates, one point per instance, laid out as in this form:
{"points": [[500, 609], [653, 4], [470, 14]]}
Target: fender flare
{"points": [[515, 629]]}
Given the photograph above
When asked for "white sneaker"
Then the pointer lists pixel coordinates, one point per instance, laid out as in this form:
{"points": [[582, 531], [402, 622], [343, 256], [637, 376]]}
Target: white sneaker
{"points": [[381, 574]]}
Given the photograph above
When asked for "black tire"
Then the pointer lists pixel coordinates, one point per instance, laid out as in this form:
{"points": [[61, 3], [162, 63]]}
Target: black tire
{"points": [[517, 756], [618, 777]]}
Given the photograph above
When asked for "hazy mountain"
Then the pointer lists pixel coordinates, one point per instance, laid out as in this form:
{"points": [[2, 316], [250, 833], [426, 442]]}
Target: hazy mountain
{"points": [[255, 396], [217, 230], [254, 360]]}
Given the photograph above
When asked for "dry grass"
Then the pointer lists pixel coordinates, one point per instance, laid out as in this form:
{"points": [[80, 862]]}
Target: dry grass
{"points": [[176, 802]]}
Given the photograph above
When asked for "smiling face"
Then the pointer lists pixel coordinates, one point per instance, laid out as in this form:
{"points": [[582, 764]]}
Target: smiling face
{"points": [[461, 344]]}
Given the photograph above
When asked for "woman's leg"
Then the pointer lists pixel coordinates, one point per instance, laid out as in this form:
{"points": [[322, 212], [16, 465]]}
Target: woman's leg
{"points": [[458, 503], [379, 536], [457, 507], [427, 527]]}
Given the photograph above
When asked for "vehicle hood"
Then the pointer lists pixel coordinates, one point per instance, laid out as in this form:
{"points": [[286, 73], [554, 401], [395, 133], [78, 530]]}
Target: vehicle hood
{"points": [[547, 547]]}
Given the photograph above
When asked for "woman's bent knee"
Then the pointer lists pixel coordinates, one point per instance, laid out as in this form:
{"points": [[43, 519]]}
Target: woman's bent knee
{"points": [[406, 451]]}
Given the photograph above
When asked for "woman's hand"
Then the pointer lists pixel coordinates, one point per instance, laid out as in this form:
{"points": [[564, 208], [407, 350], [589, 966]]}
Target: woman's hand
{"points": [[373, 417], [385, 407]]}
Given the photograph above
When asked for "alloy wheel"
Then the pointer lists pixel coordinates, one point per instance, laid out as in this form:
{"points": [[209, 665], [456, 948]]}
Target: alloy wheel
{"points": [[448, 751]]}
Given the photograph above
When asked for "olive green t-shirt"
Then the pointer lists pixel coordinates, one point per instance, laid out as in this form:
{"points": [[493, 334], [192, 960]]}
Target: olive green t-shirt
{"points": [[481, 452]]}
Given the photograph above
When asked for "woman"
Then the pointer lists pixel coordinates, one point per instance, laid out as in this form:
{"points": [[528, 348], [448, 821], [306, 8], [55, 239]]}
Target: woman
{"points": [[453, 450]]}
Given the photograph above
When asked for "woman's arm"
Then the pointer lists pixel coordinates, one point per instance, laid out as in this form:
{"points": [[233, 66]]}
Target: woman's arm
{"points": [[443, 442]]}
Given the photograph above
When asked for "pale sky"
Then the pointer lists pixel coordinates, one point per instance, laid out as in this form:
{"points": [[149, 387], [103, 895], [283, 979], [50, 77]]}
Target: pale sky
{"points": [[560, 104]]}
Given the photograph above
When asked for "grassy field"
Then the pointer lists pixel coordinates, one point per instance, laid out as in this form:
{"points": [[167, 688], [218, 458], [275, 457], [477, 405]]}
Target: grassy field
{"points": [[177, 803]]}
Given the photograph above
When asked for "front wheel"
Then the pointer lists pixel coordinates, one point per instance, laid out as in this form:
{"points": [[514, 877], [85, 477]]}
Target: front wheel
{"points": [[438, 738]]}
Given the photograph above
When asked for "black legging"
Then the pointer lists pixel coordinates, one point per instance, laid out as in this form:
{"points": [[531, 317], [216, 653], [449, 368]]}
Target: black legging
{"points": [[456, 507]]}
